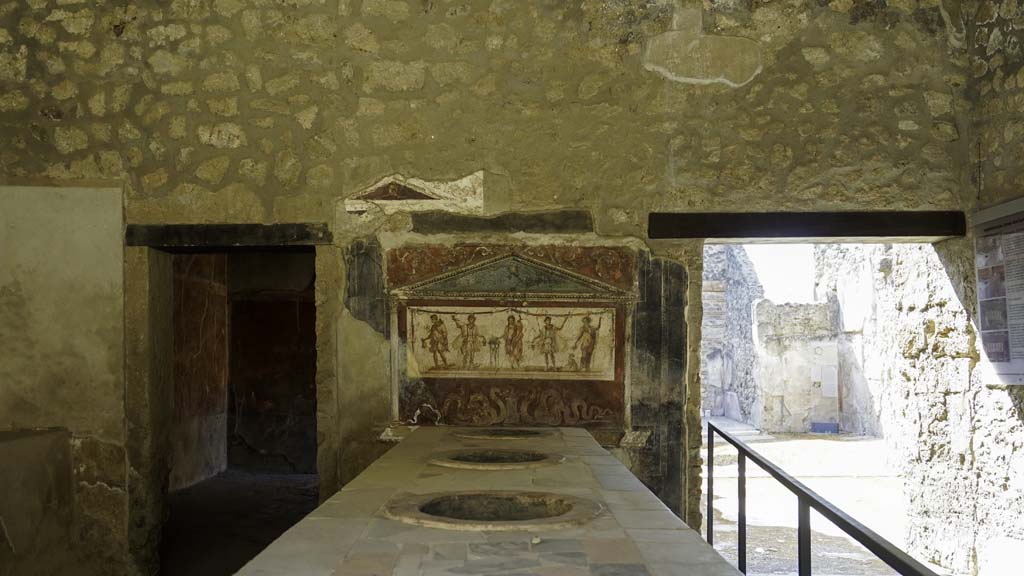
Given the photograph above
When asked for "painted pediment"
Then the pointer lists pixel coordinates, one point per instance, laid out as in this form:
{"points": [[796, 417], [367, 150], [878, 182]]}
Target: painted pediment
{"points": [[394, 190], [397, 193], [513, 276]]}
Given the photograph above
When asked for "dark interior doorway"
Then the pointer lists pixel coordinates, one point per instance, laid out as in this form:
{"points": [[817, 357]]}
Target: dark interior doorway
{"points": [[244, 432]]}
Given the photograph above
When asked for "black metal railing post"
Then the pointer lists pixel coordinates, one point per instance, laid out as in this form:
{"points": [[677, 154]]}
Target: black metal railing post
{"points": [[711, 484], [803, 537], [741, 494], [807, 499]]}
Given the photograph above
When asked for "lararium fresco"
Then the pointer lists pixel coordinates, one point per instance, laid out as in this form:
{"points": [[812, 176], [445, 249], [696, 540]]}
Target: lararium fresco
{"points": [[500, 342]]}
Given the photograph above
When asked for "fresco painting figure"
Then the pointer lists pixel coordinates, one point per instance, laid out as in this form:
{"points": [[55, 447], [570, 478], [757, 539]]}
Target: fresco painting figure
{"points": [[547, 341], [514, 342], [587, 341], [471, 340], [437, 340]]}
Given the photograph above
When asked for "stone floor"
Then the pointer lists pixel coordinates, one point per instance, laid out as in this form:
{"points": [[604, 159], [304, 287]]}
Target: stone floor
{"points": [[635, 535], [850, 471], [218, 525]]}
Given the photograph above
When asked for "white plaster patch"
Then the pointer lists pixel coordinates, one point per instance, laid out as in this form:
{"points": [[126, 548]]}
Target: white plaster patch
{"points": [[465, 195], [688, 56]]}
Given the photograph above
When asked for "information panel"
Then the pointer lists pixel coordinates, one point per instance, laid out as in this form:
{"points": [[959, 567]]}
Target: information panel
{"points": [[999, 261]]}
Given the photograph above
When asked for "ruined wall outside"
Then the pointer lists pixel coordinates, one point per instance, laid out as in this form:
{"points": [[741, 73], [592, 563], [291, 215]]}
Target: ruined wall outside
{"points": [[798, 366], [201, 329], [728, 353], [61, 319], [907, 330], [861, 378]]}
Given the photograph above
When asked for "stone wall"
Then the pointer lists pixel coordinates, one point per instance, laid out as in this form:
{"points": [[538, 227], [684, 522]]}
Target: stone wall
{"points": [[995, 37], [201, 328], [798, 367], [728, 353], [236, 110], [907, 331], [214, 111]]}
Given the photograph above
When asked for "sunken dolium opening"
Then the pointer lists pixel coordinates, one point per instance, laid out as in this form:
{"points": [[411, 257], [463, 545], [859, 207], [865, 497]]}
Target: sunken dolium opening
{"points": [[493, 459], [498, 456], [493, 510], [497, 508]]}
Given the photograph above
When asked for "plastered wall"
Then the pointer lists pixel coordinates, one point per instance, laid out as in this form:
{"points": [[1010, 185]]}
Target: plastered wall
{"points": [[201, 332], [62, 321]]}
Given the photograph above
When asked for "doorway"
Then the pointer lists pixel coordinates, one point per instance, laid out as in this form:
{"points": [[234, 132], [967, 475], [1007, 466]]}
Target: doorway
{"points": [[243, 438], [815, 354]]}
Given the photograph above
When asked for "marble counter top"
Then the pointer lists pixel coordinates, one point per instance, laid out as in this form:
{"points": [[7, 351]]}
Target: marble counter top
{"points": [[348, 535]]}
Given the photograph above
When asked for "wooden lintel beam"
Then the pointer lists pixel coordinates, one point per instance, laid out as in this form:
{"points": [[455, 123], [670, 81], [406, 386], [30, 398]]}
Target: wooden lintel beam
{"points": [[184, 236], [891, 225]]}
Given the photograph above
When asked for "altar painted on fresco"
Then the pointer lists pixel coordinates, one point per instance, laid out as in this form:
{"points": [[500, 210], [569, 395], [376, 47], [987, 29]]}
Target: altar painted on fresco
{"points": [[492, 335]]}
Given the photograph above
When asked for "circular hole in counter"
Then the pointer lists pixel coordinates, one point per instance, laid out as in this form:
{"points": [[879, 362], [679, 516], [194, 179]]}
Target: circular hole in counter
{"points": [[493, 510]]}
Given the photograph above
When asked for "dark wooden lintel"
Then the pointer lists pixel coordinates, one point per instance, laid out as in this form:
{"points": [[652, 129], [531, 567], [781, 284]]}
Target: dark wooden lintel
{"points": [[227, 235], [835, 226]]}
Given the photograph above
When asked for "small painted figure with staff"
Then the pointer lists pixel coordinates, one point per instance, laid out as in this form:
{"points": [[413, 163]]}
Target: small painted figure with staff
{"points": [[437, 340], [547, 341]]}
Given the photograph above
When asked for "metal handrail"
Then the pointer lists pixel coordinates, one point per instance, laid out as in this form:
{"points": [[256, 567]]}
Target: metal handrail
{"points": [[897, 559]]}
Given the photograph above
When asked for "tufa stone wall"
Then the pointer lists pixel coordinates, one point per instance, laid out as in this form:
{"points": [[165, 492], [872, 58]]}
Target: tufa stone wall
{"points": [[728, 352], [908, 330], [244, 110], [997, 90], [798, 365]]}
